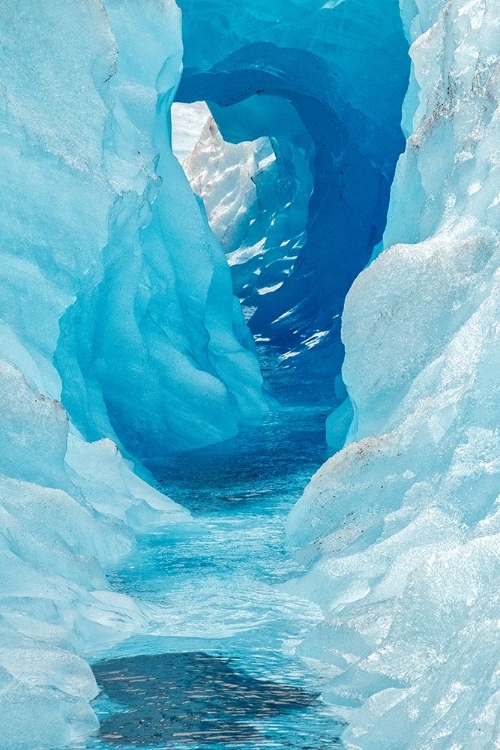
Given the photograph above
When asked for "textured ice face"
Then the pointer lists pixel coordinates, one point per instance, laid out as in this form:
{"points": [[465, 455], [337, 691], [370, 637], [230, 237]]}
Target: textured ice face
{"points": [[115, 294], [402, 525], [325, 82], [151, 349], [67, 509], [154, 350]]}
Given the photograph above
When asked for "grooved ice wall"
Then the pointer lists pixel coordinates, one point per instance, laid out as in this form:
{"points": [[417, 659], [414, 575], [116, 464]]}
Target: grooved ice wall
{"points": [[402, 526], [116, 300]]}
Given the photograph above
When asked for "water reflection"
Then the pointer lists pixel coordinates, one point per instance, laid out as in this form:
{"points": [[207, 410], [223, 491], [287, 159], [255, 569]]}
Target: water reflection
{"points": [[190, 698]]}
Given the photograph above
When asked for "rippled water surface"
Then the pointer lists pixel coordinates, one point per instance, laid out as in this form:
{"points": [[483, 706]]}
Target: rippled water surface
{"points": [[218, 669]]}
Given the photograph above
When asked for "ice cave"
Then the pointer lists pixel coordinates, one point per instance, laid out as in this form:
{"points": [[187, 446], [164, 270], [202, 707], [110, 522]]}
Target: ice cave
{"points": [[250, 374]]}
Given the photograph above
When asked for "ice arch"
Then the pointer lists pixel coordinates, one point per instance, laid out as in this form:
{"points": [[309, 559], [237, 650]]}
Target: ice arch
{"points": [[309, 94]]}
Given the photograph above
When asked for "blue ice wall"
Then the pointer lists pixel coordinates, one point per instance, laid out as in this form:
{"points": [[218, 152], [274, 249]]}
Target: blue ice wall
{"points": [[402, 526], [75, 153], [343, 69], [154, 351]]}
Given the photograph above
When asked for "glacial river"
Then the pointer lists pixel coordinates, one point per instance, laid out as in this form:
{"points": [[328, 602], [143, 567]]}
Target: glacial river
{"points": [[227, 674]]}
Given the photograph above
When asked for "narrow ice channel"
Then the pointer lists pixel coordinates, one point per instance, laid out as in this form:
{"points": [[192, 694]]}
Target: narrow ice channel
{"points": [[342, 208], [220, 668]]}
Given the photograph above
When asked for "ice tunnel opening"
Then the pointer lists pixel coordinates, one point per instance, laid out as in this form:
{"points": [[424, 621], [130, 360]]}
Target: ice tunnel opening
{"points": [[188, 122], [320, 117], [320, 172]]}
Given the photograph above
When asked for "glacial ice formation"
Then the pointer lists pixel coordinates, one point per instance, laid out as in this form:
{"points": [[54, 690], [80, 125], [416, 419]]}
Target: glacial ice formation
{"points": [[67, 508], [117, 325], [188, 121], [402, 526], [154, 350], [324, 82], [249, 190]]}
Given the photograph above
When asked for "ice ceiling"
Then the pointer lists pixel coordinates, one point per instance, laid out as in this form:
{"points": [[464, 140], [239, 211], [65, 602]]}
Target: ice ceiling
{"points": [[326, 88]]}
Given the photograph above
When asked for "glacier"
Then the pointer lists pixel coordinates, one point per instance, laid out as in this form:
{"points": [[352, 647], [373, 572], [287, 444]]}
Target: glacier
{"points": [[111, 346], [401, 526], [248, 191], [364, 249]]}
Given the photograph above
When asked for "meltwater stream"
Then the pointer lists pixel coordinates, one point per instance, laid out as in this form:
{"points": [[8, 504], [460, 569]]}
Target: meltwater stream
{"points": [[226, 674]]}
